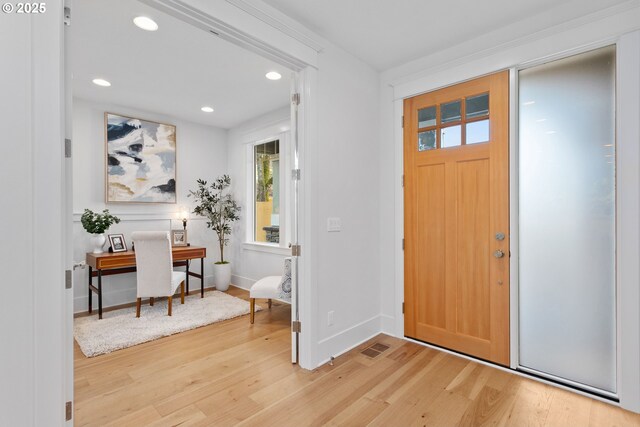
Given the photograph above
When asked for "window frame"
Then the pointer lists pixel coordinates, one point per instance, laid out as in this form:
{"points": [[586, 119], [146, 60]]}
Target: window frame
{"points": [[284, 196]]}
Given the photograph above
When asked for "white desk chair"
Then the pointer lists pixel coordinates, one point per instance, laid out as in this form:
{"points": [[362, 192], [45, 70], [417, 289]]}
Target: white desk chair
{"points": [[272, 287], [154, 266]]}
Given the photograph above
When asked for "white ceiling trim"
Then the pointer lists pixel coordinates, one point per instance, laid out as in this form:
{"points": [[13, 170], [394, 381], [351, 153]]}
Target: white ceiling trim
{"points": [[220, 28], [631, 5], [282, 22]]}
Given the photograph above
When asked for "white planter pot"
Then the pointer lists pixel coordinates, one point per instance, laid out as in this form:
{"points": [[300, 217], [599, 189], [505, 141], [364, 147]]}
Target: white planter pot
{"points": [[222, 276], [98, 241]]}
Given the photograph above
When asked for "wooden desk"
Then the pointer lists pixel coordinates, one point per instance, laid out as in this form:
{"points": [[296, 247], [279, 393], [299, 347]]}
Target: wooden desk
{"points": [[106, 264]]}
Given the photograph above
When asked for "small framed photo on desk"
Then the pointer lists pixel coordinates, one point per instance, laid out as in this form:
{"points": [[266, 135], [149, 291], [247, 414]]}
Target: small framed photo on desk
{"points": [[117, 242], [179, 238]]}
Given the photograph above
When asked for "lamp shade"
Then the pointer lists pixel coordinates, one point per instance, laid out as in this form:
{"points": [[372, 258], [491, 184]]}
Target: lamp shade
{"points": [[183, 213]]}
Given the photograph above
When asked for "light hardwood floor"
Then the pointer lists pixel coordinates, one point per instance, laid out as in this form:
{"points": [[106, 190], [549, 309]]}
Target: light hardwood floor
{"points": [[231, 373]]}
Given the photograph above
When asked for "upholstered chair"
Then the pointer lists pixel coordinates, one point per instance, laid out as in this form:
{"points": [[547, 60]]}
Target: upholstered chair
{"points": [[154, 265], [270, 288]]}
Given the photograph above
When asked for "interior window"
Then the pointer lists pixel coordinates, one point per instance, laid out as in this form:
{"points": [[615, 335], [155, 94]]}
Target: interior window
{"points": [[266, 201]]}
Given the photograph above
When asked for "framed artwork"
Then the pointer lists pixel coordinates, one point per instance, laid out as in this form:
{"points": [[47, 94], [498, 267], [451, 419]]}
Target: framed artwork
{"points": [[140, 160], [178, 237], [117, 242]]}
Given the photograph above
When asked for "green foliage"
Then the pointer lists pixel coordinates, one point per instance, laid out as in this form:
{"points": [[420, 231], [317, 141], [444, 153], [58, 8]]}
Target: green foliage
{"points": [[265, 178], [218, 206], [96, 223]]}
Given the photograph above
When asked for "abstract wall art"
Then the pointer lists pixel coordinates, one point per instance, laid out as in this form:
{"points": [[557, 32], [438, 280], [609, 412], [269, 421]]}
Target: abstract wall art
{"points": [[141, 160]]}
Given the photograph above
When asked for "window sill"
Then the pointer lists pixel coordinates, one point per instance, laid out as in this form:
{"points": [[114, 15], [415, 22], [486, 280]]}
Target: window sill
{"points": [[266, 247]]}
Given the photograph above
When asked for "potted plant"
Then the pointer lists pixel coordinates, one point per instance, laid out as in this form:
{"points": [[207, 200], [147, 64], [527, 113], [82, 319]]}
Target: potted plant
{"points": [[215, 203], [96, 224]]}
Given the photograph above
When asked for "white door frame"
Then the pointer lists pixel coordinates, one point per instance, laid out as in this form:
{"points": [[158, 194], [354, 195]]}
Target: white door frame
{"points": [[274, 36]]}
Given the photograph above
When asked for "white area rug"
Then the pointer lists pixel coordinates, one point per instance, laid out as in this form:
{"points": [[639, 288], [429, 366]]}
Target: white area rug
{"points": [[121, 329]]}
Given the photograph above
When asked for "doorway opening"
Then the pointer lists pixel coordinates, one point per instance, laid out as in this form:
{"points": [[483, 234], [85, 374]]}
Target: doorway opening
{"points": [[177, 104]]}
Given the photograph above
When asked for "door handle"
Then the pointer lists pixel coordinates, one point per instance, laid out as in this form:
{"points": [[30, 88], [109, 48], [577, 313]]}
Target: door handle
{"points": [[498, 254]]}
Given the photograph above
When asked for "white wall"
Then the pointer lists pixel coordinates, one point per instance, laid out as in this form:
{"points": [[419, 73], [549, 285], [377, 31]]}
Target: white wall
{"points": [[201, 153], [16, 367], [345, 169], [250, 262], [31, 169]]}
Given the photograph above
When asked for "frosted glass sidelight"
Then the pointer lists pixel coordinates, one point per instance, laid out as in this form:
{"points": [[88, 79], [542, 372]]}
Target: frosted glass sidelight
{"points": [[567, 307]]}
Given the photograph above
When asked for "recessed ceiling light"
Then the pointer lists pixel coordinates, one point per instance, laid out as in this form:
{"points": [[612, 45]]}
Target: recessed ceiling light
{"points": [[273, 75], [207, 109], [145, 23], [101, 82]]}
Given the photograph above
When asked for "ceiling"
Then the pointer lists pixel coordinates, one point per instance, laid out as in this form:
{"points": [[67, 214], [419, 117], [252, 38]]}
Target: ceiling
{"points": [[173, 71], [387, 33]]}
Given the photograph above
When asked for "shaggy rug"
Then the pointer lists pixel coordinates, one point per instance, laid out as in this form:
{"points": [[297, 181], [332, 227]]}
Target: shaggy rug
{"points": [[121, 329]]}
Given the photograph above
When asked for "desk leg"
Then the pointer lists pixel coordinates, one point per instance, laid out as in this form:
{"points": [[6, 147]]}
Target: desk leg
{"points": [[90, 295], [99, 294], [201, 277], [188, 262]]}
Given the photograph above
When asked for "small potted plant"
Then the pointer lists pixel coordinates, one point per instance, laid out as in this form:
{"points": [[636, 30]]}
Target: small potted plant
{"points": [[96, 224], [215, 203]]}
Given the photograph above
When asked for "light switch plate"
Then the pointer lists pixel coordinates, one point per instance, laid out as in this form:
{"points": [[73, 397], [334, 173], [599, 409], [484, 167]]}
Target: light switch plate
{"points": [[334, 224]]}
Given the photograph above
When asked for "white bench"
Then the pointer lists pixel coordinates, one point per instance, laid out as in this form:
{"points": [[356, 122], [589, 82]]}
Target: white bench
{"points": [[272, 287]]}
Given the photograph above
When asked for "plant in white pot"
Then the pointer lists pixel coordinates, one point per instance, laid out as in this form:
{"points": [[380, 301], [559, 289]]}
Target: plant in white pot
{"points": [[215, 203], [96, 224]]}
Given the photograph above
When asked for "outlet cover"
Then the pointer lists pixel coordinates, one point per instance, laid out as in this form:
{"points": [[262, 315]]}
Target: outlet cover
{"points": [[334, 224]]}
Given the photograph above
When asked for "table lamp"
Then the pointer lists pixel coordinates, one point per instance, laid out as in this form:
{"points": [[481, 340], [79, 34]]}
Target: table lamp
{"points": [[184, 216]]}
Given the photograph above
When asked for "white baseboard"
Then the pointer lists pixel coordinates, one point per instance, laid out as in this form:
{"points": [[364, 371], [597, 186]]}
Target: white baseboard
{"points": [[242, 282], [346, 340], [388, 324]]}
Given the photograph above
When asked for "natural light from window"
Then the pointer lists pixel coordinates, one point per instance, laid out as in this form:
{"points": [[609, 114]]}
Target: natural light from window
{"points": [[266, 158]]}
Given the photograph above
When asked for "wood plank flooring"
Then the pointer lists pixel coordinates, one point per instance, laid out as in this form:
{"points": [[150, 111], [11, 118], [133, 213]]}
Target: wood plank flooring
{"points": [[232, 373]]}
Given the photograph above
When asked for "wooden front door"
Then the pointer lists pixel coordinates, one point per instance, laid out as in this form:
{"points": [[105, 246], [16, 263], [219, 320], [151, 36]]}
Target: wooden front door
{"points": [[456, 165]]}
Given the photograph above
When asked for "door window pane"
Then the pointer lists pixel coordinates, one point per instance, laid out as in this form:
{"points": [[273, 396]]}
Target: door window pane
{"points": [[427, 140], [451, 136], [478, 132], [450, 111], [477, 106], [267, 192], [427, 117], [567, 287]]}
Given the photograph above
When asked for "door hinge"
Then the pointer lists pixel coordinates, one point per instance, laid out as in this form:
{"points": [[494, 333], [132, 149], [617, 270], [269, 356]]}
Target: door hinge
{"points": [[296, 250], [68, 279], [402, 122], [296, 326], [68, 411], [403, 244], [402, 307], [403, 180], [67, 148], [295, 98], [67, 16], [295, 174]]}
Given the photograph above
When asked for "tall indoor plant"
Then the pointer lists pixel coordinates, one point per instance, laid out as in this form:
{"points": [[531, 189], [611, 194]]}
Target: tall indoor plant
{"points": [[215, 203], [97, 224]]}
